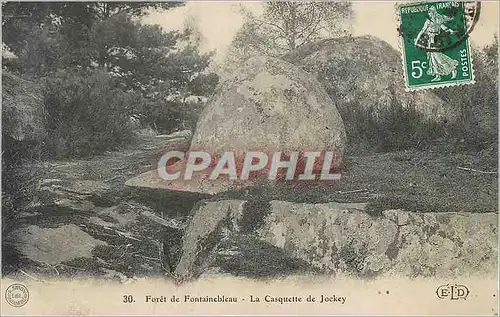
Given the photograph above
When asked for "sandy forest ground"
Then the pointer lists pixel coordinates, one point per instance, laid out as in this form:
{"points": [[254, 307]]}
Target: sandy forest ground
{"points": [[110, 230]]}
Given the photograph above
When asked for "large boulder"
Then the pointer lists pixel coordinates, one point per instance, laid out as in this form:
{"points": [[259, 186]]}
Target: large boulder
{"points": [[269, 105], [366, 72], [338, 239]]}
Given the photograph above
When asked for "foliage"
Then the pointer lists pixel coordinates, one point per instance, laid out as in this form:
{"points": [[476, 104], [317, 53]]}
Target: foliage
{"points": [[478, 103], [393, 129], [146, 59], [285, 26], [22, 140], [86, 113], [166, 116], [67, 22], [163, 67]]}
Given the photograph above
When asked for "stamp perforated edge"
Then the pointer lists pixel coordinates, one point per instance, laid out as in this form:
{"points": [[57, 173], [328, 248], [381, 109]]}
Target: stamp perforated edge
{"points": [[471, 81]]}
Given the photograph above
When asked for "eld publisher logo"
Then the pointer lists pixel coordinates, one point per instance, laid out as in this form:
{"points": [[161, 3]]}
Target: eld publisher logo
{"points": [[452, 292], [17, 295]]}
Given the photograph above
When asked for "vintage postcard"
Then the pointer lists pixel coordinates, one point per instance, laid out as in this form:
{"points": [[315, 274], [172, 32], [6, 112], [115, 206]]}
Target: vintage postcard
{"points": [[249, 158]]}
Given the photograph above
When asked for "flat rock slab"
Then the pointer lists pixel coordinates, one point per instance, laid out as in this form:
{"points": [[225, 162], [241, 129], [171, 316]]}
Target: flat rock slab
{"points": [[151, 179], [78, 187], [54, 245], [342, 239], [184, 134]]}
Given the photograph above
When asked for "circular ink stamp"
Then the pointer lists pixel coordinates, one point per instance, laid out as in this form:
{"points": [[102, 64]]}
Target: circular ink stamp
{"points": [[435, 42], [17, 295]]}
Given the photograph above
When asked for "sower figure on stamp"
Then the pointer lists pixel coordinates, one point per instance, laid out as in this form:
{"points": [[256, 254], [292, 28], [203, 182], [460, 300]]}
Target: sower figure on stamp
{"points": [[439, 63]]}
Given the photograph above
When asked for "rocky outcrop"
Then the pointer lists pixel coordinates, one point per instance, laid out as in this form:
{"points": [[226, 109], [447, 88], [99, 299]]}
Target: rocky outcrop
{"points": [[76, 195], [366, 72], [207, 228], [54, 245], [342, 239], [397, 242]]}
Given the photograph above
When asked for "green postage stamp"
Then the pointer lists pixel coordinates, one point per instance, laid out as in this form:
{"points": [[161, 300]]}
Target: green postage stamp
{"points": [[435, 43]]}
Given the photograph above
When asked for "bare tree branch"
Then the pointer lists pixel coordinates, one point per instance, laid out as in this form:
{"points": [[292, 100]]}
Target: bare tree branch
{"points": [[284, 26]]}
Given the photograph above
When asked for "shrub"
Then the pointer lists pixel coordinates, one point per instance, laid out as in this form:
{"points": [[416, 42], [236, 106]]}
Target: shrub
{"points": [[477, 128], [167, 116], [397, 128], [86, 113], [393, 129], [18, 182], [23, 132]]}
